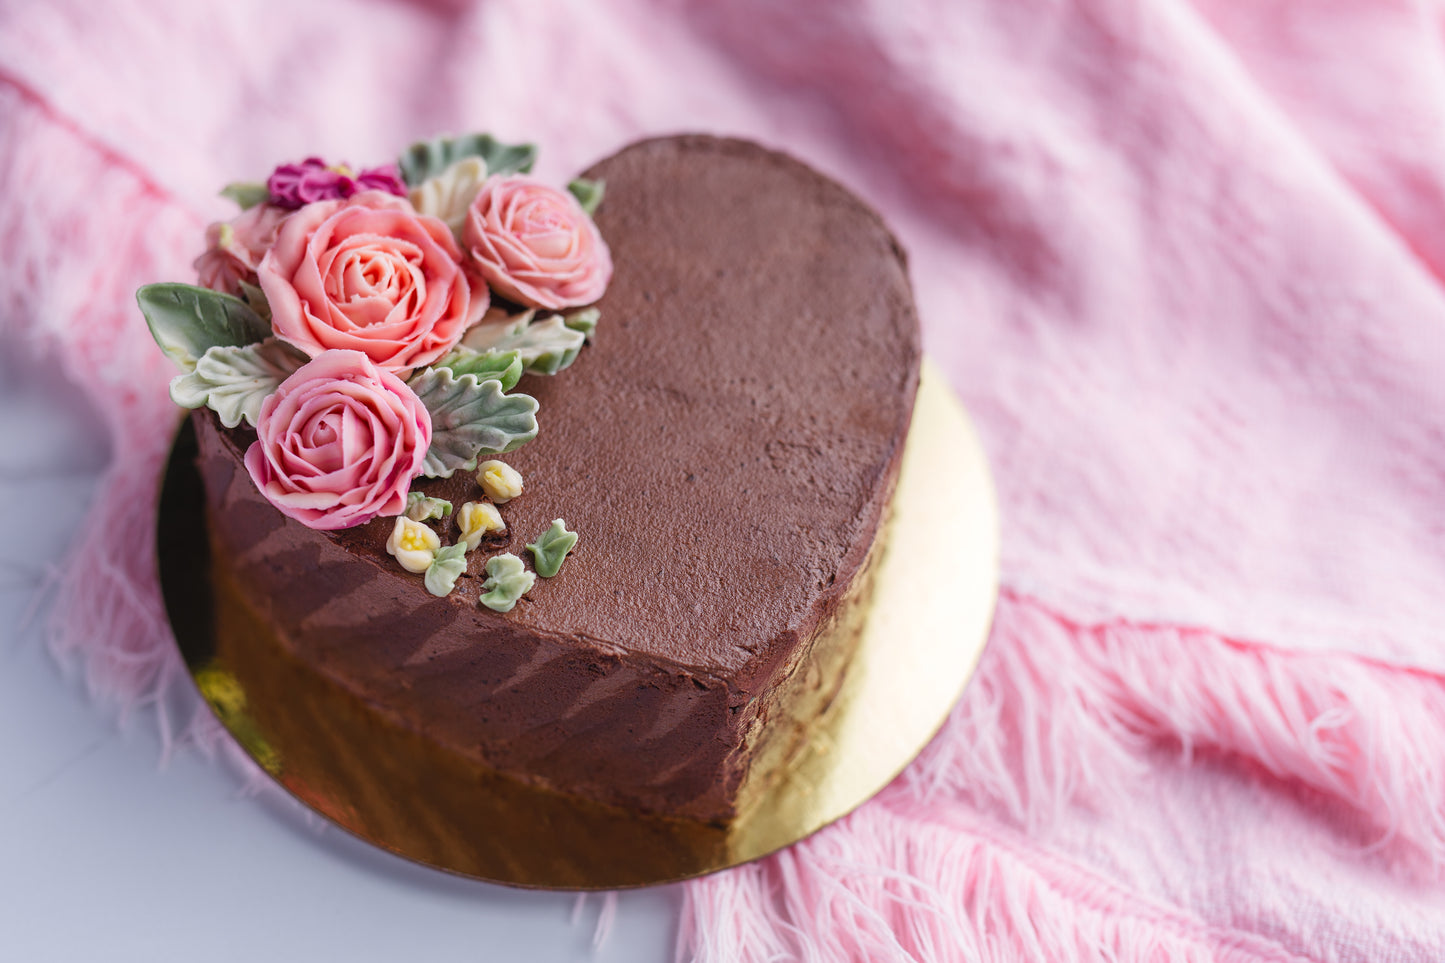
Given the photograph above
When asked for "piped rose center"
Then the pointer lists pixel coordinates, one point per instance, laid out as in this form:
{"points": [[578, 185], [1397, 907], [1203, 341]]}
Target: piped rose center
{"points": [[372, 282], [549, 230]]}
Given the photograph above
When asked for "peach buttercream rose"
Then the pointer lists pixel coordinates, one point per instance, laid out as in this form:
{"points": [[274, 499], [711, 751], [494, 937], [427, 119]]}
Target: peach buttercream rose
{"points": [[339, 442], [535, 245], [369, 274]]}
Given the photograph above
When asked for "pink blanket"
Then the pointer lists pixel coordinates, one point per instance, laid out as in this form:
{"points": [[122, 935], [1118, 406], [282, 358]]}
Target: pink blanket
{"points": [[1184, 262]]}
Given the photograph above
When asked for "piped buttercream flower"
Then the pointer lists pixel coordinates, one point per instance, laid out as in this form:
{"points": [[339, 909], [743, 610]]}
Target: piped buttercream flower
{"points": [[339, 442], [476, 519], [535, 245], [413, 544], [369, 274], [449, 194], [500, 481], [296, 185], [235, 248]]}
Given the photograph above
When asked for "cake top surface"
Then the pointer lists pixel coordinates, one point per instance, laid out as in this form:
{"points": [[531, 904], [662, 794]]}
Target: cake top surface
{"points": [[725, 447]]}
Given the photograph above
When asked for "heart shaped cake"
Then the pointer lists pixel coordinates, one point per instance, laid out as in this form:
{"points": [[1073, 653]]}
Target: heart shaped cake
{"points": [[724, 448]]}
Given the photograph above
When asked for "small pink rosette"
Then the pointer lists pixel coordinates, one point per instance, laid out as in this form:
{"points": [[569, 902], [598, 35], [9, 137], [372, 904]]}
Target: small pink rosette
{"points": [[235, 248], [535, 245], [339, 442]]}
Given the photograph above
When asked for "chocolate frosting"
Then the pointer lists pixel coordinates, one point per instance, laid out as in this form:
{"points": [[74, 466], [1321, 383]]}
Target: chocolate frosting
{"points": [[725, 449]]}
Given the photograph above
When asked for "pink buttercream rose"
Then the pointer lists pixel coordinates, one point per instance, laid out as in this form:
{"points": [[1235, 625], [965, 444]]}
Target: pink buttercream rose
{"points": [[235, 248], [369, 274], [339, 443], [535, 245]]}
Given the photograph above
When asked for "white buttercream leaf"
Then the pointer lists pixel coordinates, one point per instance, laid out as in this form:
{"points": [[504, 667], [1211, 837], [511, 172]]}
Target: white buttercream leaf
{"points": [[496, 325], [507, 581], [233, 381], [442, 574], [186, 321], [470, 418]]}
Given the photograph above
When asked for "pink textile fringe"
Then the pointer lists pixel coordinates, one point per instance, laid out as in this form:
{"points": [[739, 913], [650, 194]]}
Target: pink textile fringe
{"points": [[944, 890], [1061, 710], [108, 621], [936, 868]]}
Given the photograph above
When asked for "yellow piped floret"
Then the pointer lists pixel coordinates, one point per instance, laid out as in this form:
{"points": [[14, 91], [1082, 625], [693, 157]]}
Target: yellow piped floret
{"points": [[476, 519], [500, 481], [413, 544]]}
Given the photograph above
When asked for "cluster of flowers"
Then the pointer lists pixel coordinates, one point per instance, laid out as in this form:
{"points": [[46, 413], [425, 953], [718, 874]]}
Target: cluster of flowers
{"points": [[374, 279]]}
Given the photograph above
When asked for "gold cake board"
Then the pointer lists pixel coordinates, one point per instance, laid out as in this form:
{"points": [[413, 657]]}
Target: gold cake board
{"points": [[932, 605]]}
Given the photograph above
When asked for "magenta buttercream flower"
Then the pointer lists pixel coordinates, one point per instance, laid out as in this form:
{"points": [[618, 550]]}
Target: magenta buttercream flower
{"points": [[535, 245], [369, 274], [296, 185], [339, 442]]}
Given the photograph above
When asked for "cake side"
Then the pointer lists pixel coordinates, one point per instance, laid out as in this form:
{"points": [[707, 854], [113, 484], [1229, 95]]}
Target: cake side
{"points": [[726, 449]]}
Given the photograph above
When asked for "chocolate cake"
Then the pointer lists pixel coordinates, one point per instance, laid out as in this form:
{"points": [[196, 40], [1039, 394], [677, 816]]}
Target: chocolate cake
{"points": [[725, 448]]}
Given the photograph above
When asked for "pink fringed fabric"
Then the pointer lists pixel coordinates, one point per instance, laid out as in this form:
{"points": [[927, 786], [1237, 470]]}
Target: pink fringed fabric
{"points": [[1183, 261]]}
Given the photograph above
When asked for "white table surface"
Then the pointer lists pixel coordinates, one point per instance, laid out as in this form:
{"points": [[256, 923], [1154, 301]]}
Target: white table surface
{"points": [[107, 855]]}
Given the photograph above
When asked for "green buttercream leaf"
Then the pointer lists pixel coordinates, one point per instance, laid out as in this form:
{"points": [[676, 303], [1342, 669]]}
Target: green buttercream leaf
{"points": [[469, 418], [420, 507], [588, 193], [551, 548], [584, 320], [507, 581], [246, 193], [546, 346], [503, 366], [448, 565], [429, 158], [186, 321], [233, 381]]}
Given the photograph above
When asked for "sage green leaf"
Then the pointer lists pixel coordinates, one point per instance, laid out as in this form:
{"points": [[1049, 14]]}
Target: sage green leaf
{"points": [[584, 320], [503, 366], [420, 507], [233, 381], [551, 548], [429, 158], [470, 417], [246, 193], [588, 193], [186, 321], [546, 346], [507, 581], [442, 574]]}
